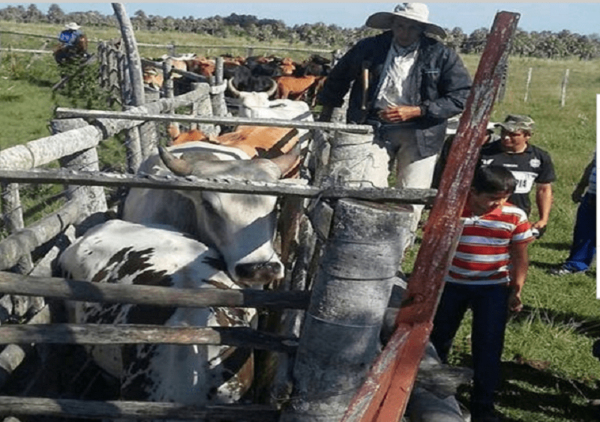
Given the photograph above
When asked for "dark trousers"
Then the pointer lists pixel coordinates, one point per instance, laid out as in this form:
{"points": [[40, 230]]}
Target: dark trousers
{"points": [[490, 310], [583, 248]]}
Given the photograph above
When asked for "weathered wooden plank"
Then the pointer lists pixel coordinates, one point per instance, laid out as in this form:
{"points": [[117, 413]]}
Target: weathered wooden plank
{"points": [[256, 47], [144, 334], [63, 112], [69, 408], [45, 150], [133, 58], [24, 50], [74, 290], [406, 196], [384, 396], [24, 241]]}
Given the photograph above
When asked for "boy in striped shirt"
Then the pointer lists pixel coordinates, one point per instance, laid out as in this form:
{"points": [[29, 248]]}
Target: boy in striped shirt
{"points": [[487, 274]]}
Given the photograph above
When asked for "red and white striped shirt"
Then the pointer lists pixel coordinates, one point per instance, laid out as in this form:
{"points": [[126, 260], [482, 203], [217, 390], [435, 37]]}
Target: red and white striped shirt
{"points": [[483, 252]]}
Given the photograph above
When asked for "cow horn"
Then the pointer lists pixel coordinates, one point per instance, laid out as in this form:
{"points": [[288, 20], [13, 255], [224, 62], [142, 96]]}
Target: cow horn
{"points": [[178, 166], [273, 89], [234, 91]]}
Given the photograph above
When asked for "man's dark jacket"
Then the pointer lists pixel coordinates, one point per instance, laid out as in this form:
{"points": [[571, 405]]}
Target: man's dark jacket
{"points": [[443, 79]]}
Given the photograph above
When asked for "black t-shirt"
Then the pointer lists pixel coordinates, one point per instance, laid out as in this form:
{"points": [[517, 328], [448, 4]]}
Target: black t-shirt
{"points": [[533, 165]]}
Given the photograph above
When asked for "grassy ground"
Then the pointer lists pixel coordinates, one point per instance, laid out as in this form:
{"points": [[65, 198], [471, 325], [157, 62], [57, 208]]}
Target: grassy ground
{"points": [[549, 372]]}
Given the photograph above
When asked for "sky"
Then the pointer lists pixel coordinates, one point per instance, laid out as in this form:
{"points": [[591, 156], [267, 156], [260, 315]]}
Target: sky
{"points": [[581, 18]]}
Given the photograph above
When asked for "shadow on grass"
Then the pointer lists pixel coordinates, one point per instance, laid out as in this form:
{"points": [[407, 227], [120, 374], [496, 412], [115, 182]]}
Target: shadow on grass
{"points": [[530, 391], [42, 83]]}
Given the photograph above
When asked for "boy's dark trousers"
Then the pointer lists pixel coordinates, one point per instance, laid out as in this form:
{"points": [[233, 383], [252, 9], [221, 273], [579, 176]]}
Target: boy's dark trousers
{"points": [[490, 311]]}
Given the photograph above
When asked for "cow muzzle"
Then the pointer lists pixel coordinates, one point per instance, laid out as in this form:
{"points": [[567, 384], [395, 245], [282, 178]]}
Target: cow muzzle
{"points": [[259, 273]]}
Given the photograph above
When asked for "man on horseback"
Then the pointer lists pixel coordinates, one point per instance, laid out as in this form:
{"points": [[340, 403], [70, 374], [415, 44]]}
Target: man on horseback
{"points": [[73, 44]]}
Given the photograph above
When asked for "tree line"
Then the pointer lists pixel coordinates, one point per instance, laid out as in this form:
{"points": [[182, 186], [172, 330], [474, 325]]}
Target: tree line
{"points": [[544, 44]]}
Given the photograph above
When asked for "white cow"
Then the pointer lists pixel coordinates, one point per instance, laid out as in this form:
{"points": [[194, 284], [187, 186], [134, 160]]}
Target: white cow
{"points": [[240, 226], [256, 105], [128, 253]]}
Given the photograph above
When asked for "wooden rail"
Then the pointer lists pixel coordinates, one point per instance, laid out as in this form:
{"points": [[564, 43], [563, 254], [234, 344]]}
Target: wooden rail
{"points": [[144, 334], [407, 196], [88, 409], [73, 290], [62, 112]]}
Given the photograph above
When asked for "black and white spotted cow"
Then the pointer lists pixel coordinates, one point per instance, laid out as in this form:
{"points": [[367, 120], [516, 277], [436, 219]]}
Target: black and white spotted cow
{"points": [[240, 226], [127, 253]]}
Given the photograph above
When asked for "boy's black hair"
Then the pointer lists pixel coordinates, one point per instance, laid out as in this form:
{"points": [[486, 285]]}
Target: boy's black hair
{"points": [[493, 179]]}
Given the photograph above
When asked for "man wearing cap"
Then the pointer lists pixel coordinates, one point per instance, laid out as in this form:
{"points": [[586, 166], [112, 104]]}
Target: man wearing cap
{"points": [[529, 164], [73, 43], [407, 84]]}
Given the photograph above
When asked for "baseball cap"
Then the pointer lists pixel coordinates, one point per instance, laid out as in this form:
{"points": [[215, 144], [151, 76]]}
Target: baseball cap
{"points": [[516, 122]]}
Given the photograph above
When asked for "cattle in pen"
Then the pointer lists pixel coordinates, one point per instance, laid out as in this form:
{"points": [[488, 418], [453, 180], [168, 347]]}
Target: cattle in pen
{"points": [[131, 254], [240, 226]]}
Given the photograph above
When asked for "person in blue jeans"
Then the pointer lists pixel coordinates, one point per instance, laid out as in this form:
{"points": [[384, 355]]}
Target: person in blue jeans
{"points": [[487, 275], [583, 247]]}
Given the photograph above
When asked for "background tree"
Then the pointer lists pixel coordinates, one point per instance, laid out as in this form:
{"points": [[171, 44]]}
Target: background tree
{"points": [[543, 44], [56, 14]]}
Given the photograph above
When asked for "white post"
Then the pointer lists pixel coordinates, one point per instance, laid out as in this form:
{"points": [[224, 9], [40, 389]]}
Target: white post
{"points": [[563, 94], [527, 85]]}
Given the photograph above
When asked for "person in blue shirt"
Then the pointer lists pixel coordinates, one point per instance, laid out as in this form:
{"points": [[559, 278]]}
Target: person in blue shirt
{"points": [[73, 43]]}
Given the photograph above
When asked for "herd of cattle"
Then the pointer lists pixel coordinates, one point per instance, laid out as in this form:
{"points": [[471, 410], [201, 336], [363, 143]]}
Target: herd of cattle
{"points": [[281, 78]]}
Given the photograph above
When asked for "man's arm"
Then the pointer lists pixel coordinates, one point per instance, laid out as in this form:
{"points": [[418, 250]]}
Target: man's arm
{"points": [[519, 259], [543, 199]]}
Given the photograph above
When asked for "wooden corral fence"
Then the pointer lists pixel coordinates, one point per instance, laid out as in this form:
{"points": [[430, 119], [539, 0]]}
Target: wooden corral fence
{"points": [[348, 250], [76, 136]]}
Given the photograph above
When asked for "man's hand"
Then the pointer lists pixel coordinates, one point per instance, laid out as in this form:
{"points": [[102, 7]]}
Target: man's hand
{"points": [[577, 194], [326, 113], [539, 228], [397, 114]]}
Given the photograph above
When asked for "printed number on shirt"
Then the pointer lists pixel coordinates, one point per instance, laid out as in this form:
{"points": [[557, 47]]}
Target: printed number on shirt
{"points": [[525, 181]]}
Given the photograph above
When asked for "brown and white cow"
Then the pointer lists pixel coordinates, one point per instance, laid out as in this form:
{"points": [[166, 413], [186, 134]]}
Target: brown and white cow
{"points": [[132, 254], [240, 226], [256, 141]]}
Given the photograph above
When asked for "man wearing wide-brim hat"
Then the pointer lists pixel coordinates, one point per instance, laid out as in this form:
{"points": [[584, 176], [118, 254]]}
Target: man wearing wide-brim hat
{"points": [[73, 43], [414, 84]]}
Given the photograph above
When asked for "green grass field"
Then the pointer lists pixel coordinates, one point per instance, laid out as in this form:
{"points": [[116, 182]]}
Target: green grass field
{"points": [[550, 374]]}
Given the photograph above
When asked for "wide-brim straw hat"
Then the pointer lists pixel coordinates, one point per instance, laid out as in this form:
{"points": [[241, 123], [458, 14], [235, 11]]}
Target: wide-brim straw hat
{"points": [[73, 26], [417, 12]]}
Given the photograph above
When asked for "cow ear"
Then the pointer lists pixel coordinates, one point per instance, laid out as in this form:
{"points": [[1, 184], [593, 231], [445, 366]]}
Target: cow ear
{"points": [[178, 166]]}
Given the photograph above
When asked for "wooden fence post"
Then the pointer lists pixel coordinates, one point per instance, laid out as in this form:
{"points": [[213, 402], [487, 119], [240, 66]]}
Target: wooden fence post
{"points": [[563, 90], [12, 212], [340, 337], [91, 199], [103, 68], [503, 83], [527, 84], [218, 96], [137, 83]]}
